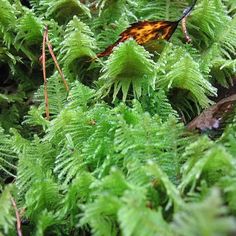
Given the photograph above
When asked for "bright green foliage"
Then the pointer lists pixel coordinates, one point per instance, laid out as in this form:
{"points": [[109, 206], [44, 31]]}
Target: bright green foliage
{"points": [[206, 218], [144, 220], [6, 212], [78, 44], [56, 94], [170, 189], [8, 20], [228, 182], [109, 11], [46, 219], [128, 67], [215, 162], [177, 68], [210, 19], [29, 29], [115, 157], [62, 11], [217, 35], [7, 156], [186, 74], [158, 103], [153, 10]]}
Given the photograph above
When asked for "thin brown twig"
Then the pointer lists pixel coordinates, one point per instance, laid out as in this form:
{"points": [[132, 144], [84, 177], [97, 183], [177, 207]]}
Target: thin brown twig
{"points": [[185, 31], [18, 220], [44, 73], [56, 62]]}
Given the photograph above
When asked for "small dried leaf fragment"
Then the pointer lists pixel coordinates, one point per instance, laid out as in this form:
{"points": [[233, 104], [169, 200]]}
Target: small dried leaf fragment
{"points": [[214, 116]]}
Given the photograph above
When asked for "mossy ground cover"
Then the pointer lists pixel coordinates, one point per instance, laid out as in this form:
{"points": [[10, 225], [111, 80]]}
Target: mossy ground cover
{"points": [[116, 156]]}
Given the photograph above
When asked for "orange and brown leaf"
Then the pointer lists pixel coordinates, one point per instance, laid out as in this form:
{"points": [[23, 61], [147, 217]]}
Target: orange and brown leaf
{"points": [[143, 32]]}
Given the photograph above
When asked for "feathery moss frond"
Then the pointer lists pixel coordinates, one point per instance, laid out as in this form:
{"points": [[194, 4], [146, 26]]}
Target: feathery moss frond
{"points": [[46, 220], [56, 94], [42, 195], [6, 213], [136, 219], [80, 96], [159, 10], [77, 48], [8, 157], [228, 185], [29, 30], [214, 163], [128, 68], [102, 166], [158, 103], [63, 10], [35, 161], [205, 218], [7, 21], [78, 192], [101, 215], [227, 40], [69, 163], [185, 74], [110, 33], [209, 20], [110, 11], [171, 191], [146, 140]]}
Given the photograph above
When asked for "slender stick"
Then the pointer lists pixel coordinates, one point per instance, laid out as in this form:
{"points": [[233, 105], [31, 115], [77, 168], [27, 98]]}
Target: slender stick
{"points": [[185, 31], [44, 73], [56, 62], [18, 220]]}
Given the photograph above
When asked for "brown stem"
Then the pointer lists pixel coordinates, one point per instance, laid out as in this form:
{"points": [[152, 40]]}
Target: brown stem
{"points": [[18, 220], [56, 62], [185, 31], [43, 58]]}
